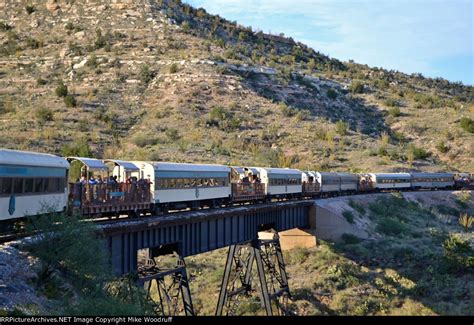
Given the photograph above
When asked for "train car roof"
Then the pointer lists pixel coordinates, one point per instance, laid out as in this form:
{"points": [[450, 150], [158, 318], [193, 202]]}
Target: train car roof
{"points": [[427, 175], [91, 163], [391, 175], [166, 166], [348, 175], [127, 165], [327, 174], [27, 158], [280, 171]]}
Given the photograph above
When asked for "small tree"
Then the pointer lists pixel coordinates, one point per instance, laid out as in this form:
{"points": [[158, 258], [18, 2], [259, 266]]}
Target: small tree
{"points": [[44, 114], [61, 90], [70, 101], [174, 68], [332, 94], [357, 87], [342, 127]]}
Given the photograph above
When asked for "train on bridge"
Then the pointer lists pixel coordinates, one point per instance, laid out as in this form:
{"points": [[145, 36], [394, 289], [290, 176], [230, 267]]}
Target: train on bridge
{"points": [[37, 183]]}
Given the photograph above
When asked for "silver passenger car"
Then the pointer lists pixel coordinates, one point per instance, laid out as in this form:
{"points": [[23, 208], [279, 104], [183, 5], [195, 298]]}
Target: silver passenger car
{"points": [[432, 180]]}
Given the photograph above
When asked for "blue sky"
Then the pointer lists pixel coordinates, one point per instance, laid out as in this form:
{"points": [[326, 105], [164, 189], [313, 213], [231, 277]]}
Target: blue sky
{"points": [[433, 37]]}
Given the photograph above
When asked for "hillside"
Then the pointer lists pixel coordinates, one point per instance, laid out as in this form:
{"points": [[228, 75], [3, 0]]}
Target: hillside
{"points": [[160, 80]]}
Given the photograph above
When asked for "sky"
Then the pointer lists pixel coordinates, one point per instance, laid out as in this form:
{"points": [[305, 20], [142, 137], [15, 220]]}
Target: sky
{"points": [[432, 37]]}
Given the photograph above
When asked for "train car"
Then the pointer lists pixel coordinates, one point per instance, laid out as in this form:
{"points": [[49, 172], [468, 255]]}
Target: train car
{"points": [[31, 184], [281, 182], [177, 186], [349, 182], [311, 186], [464, 181], [432, 180], [329, 182], [390, 181], [247, 185], [99, 192]]}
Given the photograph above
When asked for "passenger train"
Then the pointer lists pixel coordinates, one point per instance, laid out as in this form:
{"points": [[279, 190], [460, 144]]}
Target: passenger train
{"points": [[37, 183]]}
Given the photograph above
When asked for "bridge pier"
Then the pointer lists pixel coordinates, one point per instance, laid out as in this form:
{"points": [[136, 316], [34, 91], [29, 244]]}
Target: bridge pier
{"points": [[265, 253], [170, 284]]}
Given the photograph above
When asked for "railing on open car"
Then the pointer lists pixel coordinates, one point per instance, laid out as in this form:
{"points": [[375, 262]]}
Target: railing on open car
{"points": [[311, 187], [84, 195], [248, 190]]}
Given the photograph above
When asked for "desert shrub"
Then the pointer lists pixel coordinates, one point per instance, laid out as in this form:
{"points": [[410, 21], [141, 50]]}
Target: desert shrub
{"points": [[61, 90], [41, 82], [348, 216], [467, 124], [390, 227], [466, 221], [30, 9], [356, 87], [332, 94], [390, 102], [92, 61], [174, 68], [458, 254], [5, 26], [70, 101], [142, 140], [71, 247], [350, 239], [394, 112], [146, 75], [417, 153], [342, 127], [356, 206], [298, 255], [172, 134], [442, 147], [33, 43], [285, 110], [44, 114]]}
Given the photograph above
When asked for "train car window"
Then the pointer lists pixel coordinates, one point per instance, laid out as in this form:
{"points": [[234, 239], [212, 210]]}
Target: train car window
{"points": [[45, 185], [61, 184], [53, 186], [18, 185], [29, 185], [5, 186], [38, 185]]}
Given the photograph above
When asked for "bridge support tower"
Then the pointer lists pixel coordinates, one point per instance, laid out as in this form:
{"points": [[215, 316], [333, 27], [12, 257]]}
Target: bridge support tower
{"points": [[238, 282]]}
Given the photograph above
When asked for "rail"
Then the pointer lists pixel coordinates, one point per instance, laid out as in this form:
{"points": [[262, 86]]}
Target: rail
{"points": [[83, 195], [242, 191]]}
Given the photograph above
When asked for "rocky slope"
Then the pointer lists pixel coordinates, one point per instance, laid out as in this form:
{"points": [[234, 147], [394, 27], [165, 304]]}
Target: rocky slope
{"points": [[161, 80]]}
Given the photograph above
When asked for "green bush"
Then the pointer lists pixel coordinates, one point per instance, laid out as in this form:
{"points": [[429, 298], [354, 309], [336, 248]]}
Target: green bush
{"points": [[172, 134], [71, 246], [61, 90], [174, 68], [390, 227], [70, 101], [348, 216], [30, 9], [146, 75], [332, 94], [350, 239], [394, 112], [5, 26], [44, 114], [390, 102], [342, 127], [458, 254], [356, 206], [356, 87], [442, 147], [417, 153], [467, 124], [142, 140], [285, 110]]}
